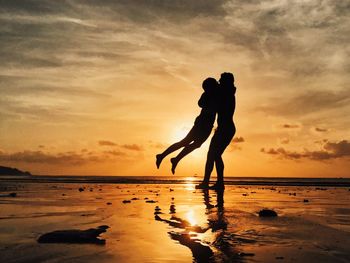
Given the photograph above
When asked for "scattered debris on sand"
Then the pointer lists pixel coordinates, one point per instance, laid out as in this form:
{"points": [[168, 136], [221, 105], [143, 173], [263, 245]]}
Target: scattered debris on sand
{"points": [[76, 236], [81, 189], [126, 201], [172, 209], [243, 254], [157, 210]]}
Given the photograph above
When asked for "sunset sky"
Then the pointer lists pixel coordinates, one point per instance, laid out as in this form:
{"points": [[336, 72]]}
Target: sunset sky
{"points": [[100, 87]]}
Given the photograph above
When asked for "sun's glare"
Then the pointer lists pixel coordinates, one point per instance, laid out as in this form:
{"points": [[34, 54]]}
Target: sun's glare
{"points": [[191, 218]]}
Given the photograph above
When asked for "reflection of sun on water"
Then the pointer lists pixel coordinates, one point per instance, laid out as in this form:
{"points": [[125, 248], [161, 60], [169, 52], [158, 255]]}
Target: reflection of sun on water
{"points": [[191, 218], [190, 183]]}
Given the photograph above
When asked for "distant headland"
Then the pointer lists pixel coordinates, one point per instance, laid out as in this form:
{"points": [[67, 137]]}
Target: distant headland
{"points": [[12, 171]]}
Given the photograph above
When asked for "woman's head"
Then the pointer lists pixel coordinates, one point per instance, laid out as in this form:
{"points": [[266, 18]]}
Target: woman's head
{"points": [[209, 84], [227, 78]]}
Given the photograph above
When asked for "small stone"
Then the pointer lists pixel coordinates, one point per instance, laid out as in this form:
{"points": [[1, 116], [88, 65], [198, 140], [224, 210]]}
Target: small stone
{"points": [[172, 209], [81, 189], [242, 254], [126, 201], [151, 201], [108, 203], [267, 213], [306, 201]]}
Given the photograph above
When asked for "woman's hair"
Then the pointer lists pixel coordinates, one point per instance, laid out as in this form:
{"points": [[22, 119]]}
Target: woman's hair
{"points": [[209, 84], [227, 77]]}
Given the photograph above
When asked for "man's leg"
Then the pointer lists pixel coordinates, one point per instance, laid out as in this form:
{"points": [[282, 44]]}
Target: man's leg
{"points": [[219, 165], [211, 156], [223, 142]]}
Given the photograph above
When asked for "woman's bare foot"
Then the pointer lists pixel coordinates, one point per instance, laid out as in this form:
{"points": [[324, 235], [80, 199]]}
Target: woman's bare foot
{"points": [[202, 185], [174, 163], [159, 159]]}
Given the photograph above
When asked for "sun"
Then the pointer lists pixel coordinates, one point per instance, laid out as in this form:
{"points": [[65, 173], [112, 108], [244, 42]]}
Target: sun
{"points": [[180, 132]]}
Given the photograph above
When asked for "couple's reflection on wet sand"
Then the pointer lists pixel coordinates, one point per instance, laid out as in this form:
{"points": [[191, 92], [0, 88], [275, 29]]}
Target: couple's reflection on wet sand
{"points": [[219, 250]]}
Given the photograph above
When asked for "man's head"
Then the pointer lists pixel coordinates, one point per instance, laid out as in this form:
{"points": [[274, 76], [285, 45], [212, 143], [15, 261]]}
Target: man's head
{"points": [[227, 79], [209, 84]]}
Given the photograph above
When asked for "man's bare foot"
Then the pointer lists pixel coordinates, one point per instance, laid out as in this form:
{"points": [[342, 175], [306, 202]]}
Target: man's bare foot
{"points": [[202, 186], [159, 159], [174, 163], [218, 186]]}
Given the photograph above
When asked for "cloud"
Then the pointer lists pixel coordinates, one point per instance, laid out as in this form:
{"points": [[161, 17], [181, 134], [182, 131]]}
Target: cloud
{"points": [[308, 102], [234, 144], [157, 145], [284, 140], [290, 126], [132, 147], [106, 143], [115, 153], [317, 129], [238, 140], [330, 150], [64, 158]]}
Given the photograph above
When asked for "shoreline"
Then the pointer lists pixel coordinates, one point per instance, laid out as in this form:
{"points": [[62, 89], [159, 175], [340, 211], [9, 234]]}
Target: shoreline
{"points": [[267, 181]]}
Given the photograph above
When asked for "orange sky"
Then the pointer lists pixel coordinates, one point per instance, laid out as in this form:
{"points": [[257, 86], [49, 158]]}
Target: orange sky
{"points": [[100, 87]]}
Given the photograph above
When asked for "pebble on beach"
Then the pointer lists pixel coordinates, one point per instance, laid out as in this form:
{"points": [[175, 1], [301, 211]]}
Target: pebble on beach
{"points": [[267, 213], [75, 236], [172, 209], [126, 201]]}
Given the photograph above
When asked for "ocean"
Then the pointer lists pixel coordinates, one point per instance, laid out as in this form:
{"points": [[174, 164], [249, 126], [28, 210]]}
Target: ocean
{"points": [[272, 181]]}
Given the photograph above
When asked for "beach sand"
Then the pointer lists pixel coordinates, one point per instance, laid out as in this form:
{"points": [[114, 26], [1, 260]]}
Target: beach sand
{"points": [[204, 226]]}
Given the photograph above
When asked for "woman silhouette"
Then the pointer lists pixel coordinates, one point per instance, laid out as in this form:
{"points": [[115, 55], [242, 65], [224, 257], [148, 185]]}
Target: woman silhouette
{"points": [[201, 129]]}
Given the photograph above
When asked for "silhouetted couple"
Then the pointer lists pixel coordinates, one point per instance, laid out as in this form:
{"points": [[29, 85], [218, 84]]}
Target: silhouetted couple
{"points": [[217, 98]]}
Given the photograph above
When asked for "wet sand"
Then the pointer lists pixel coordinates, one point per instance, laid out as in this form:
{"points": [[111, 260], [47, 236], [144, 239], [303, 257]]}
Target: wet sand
{"points": [[313, 224]]}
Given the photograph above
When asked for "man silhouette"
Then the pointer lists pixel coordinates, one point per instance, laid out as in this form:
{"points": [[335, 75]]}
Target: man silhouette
{"points": [[226, 104]]}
